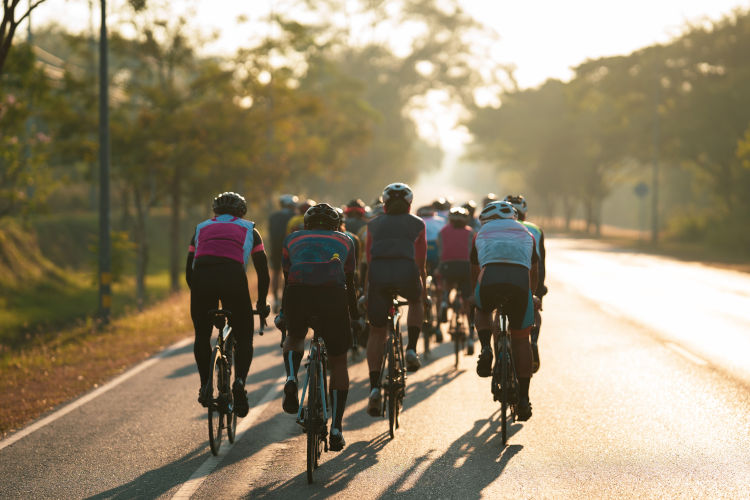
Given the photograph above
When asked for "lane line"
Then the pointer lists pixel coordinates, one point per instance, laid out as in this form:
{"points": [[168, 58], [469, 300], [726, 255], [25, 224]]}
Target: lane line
{"points": [[687, 354], [201, 474], [94, 394]]}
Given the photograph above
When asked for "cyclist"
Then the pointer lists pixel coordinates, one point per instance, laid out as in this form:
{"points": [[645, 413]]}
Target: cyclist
{"points": [[433, 224], [277, 227], [454, 243], [396, 252], [297, 222], [355, 216], [489, 199], [519, 203], [504, 270], [216, 271], [471, 208], [319, 266]]}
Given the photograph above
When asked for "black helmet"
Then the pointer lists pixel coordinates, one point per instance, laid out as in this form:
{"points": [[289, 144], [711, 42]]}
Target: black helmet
{"points": [[489, 199], [470, 207], [322, 216], [230, 203]]}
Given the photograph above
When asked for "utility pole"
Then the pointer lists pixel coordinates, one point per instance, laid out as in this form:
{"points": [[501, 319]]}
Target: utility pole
{"points": [[105, 248], [655, 169]]}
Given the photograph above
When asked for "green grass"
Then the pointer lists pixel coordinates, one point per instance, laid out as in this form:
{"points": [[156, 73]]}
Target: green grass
{"points": [[29, 314]]}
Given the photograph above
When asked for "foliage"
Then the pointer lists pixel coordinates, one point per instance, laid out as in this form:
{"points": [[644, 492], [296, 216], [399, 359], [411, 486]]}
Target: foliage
{"points": [[685, 103]]}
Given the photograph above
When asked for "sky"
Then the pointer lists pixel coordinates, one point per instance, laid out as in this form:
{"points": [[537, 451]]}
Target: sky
{"points": [[541, 38]]}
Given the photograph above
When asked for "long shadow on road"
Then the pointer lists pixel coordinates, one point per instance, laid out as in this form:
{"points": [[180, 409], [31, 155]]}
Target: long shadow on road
{"points": [[333, 476], [469, 465]]}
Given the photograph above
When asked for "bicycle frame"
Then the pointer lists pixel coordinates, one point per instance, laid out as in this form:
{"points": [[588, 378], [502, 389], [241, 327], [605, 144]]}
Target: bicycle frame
{"points": [[315, 355]]}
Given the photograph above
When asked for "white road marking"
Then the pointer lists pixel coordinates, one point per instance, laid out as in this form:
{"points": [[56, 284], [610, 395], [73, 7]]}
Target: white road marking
{"points": [[686, 354], [200, 475], [92, 395]]}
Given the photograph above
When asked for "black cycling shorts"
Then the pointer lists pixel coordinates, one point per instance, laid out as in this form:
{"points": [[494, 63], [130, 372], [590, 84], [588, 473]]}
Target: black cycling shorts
{"points": [[457, 274], [401, 276], [322, 307], [507, 285]]}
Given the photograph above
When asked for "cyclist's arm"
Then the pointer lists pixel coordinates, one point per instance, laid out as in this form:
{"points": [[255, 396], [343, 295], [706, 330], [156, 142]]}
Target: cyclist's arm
{"points": [[534, 271], [260, 262], [541, 289], [420, 256], [474, 258], [350, 266], [189, 263]]}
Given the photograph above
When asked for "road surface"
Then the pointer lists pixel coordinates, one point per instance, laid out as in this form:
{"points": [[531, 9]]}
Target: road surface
{"points": [[643, 392]]}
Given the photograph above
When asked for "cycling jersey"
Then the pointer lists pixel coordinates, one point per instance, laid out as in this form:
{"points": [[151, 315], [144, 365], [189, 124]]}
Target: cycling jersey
{"points": [[354, 224], [277, 223], [504, 241], [318, 258], [296, 223], [396, 253], [536, 231], [455, 243], [226, 236]]}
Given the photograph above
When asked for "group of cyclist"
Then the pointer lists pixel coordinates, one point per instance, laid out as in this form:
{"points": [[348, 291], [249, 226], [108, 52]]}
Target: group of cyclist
{"points": [[331, 259]]}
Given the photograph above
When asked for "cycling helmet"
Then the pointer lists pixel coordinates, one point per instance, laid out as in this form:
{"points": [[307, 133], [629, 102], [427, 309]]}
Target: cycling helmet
{"points": [[439, 203], [230, 203], [355, 207], [489, 199], [458, 214], [497, 210], [519, 203], [397, 191], [304, 205], [288, 200], [425, 211], [470, 207], [322, 216], [447, 203]]}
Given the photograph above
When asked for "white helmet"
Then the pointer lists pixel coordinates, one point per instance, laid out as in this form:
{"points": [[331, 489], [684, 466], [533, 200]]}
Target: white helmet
{"points": [[498, 210], [288, 200], [397, 190]]}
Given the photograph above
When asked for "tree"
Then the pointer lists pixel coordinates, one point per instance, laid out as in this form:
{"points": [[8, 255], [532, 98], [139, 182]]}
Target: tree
{"points": [[10, 23]]}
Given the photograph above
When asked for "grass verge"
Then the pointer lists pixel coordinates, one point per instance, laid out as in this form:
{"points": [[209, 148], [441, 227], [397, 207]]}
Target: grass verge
{"points": [[41, 376]]}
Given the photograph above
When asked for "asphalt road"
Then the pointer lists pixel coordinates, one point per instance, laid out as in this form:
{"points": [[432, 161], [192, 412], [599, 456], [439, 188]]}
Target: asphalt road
{"points": [[644, 391]]}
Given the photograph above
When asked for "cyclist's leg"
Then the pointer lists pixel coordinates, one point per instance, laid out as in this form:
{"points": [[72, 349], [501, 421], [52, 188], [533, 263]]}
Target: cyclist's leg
{"points": [[485, 305], [335, 330], [521, 320], [203, 298], [236, 298], [295, 314], [377, 313]]}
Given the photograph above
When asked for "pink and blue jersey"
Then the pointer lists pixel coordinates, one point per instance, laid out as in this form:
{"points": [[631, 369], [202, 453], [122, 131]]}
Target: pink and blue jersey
{"points": [[228, 237], [318, 258]]}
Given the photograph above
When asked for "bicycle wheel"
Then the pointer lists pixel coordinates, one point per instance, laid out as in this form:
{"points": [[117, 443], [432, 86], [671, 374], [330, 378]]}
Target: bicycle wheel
{"points": [[392, 391], [505, 383], [215, 415], [231, 416], [456, 338], [311, 420]]}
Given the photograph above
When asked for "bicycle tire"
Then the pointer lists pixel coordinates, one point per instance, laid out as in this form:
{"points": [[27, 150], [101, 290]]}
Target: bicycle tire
{"points": [[231, 416], [215, 414], [392, 387], [505, 387], [311, 423]]}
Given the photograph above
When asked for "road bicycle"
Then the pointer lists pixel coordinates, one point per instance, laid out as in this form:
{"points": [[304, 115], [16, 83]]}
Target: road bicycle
{"points": [[430, 325], [505, 387], [313, 416], [221, 413], [455, 326], [393, 367]]}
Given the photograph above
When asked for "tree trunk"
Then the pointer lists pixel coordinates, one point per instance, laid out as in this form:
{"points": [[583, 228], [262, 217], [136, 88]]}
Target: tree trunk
{"points": [[174, 233]]}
